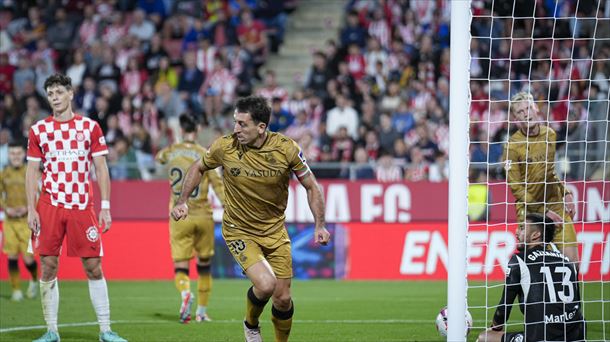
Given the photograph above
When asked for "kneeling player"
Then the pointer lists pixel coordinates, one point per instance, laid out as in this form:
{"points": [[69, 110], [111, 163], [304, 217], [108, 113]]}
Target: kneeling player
{"points": [[547, 285]]}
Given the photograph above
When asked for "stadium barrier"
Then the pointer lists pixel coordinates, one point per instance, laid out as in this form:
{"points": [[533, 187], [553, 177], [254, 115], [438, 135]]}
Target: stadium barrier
{"points": [[380, 231]]}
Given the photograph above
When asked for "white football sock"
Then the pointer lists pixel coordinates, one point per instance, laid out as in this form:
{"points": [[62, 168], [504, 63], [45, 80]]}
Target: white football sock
{"points": [[98, 291], [49, 296]]}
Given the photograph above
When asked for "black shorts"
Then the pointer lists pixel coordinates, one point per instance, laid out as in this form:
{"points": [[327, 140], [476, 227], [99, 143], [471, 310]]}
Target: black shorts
{"points": [[513, 337]]}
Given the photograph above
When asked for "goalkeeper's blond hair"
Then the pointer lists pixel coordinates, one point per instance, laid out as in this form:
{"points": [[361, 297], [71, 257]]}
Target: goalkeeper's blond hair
{"points": [[520, 97]]}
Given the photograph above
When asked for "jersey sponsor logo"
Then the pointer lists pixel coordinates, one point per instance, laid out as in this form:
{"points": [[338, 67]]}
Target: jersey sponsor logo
{"points": [[80, 136], [508, 164], [66, 155], [263, 173], [566, 316], [92, 234], [269, 158]]}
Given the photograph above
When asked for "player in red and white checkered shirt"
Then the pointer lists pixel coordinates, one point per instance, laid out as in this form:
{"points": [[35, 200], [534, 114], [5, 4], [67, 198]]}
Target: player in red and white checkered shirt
{"points": [[66, 144]]}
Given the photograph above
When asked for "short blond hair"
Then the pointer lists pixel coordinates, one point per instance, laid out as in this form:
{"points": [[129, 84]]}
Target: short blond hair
{"points": [[520, 97]]}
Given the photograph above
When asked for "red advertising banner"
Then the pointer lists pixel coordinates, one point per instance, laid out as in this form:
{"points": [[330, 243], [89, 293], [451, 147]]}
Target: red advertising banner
{"points": [[348, 201], [419, 251]]}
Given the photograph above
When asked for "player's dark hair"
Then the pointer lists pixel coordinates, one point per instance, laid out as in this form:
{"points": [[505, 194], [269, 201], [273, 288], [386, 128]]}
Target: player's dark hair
{"points": [[544, 224], [188, 123], [17, 143], [257, 106], [58, 79]]}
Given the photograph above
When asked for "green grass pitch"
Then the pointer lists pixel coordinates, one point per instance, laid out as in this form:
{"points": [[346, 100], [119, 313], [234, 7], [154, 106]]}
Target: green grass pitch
{"points": [[325, 310]]}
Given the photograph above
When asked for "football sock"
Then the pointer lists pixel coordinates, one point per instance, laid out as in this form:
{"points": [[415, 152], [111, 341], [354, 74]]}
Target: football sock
{"points": [[98, 291], [181, 279], [13, 274], [254, 308], [33, 269], [204, 285], [282, 322], [49, 296]]}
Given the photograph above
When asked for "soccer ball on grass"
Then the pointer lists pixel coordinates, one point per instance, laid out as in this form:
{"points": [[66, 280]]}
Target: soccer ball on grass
{"points": [[441, 322]]}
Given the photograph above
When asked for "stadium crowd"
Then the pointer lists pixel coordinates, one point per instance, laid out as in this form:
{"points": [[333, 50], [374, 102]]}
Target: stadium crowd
{"points": [[374, 101]]}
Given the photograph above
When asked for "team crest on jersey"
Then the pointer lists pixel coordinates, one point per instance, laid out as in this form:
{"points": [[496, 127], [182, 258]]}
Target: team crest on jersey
{"points": [[270, 158], [80, 136], [508, 164], [235, 171], [102, 140], [92, 234]]}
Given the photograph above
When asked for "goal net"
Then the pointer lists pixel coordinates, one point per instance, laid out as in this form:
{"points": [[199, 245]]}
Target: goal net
{"points": [[559, 53]]}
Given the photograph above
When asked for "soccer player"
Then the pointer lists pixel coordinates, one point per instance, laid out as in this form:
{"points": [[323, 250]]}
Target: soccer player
{"points": [[16, 232], [529, 158], [196, 233], [66, 144], [546, 283], [257, 166]]}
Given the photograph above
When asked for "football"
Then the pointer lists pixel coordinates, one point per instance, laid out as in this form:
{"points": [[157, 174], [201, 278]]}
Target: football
{"points": [[441, 322]]}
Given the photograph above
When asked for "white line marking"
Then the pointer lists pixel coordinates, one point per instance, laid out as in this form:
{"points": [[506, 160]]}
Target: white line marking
{"points": [[229, 321]]}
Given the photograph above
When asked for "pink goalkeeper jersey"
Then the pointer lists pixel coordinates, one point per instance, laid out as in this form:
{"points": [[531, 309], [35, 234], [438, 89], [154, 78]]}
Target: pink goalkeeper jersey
{"points": [[66, 150]]}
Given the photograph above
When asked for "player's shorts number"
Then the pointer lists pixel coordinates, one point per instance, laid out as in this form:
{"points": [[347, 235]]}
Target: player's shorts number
{"points": [[237, 246], [566, 284], [176, 175]]}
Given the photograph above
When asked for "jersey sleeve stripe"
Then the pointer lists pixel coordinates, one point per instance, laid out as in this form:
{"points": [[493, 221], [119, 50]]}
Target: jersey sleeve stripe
{"points": [[99, 153]]}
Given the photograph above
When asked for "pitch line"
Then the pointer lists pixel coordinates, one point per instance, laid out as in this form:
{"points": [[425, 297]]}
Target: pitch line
{"points": [[228, 321]]}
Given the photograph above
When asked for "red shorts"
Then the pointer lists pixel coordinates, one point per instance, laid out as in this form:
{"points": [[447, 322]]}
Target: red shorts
{"points": [[80, 226]]}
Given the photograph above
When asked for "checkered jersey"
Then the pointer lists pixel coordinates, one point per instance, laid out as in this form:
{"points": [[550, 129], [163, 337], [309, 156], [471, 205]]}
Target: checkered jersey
{"points": [[66, 150]]}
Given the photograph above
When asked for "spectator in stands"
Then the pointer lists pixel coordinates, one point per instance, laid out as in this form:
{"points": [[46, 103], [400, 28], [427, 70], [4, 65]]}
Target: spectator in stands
{"points": [[10, 117], [281, 118], [86, 96], [122, 161], [386, 170], [363, 168], [77, 69], [417, 170], [196, 33], [371, 144], [168, 102], [271, 12], [251, 35], [222, 33], [356, 63], [310, 148], [113, 131], [342, 146], [190, 81], [166, 73], [353, 32], [22, 75], [60, 35], [108, 70], [439, 170], [317, 75], [387, 133], [343, 115], [89, 27], [299, 127], [154, 54], [425, 145], [141, 28], [133, 78], [5, 138], [218, 90], [271, 90]]}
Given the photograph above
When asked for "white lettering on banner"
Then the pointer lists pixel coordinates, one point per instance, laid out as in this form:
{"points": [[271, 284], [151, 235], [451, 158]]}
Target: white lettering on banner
{"points": [[397, 196], [368, 209], [414, 248], [337, 203], [500, 246], [474, 249], [438, 250], [394, 205], [504, 244], [588, 240], [596, 209]]}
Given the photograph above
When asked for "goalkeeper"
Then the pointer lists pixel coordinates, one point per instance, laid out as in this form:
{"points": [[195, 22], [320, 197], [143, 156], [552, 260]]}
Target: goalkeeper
{"points": [[529, 158]]}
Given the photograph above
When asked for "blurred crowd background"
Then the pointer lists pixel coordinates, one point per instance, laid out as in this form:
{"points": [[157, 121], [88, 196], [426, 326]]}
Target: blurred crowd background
{"points": [[374, 104]]}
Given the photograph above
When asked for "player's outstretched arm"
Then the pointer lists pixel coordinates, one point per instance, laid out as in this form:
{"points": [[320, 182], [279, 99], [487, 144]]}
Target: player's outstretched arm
{"points": [[191, 181], [32, 176], [103, 181], [316, 204]]}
